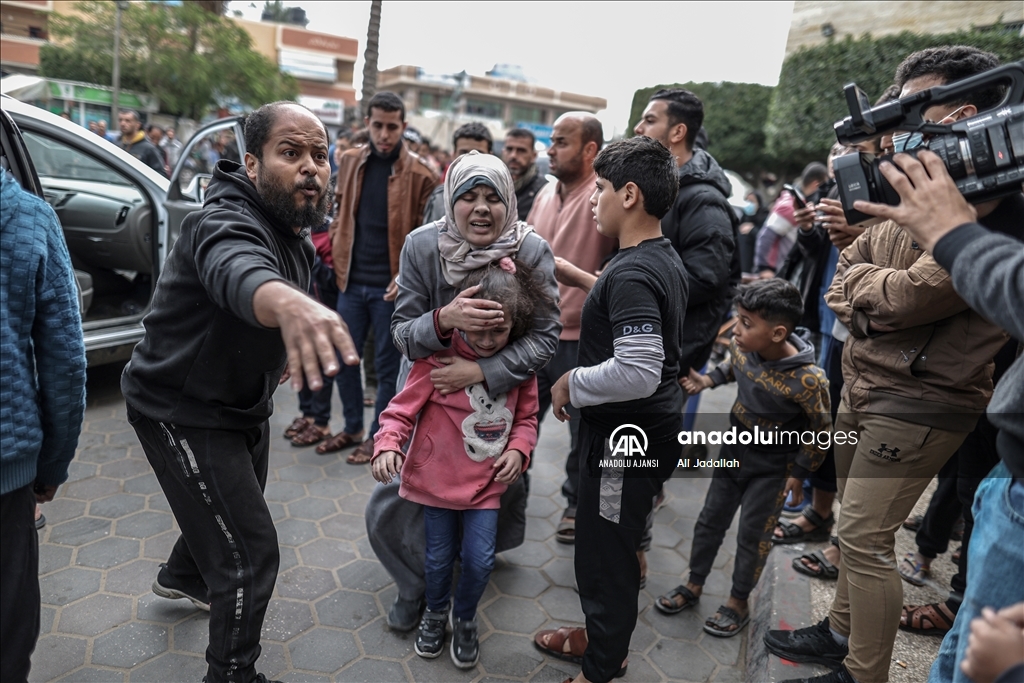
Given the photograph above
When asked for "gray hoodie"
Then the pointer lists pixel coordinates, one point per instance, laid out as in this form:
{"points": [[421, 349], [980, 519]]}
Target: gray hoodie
{"points": [[789, 394]]}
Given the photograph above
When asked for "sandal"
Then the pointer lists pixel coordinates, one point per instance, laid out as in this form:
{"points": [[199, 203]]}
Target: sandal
{"points": [[913, 523], [568, 644], [826, 570], [339, 441], [914, 573], [930, 620], [297, 425], [362, 454], [566, 531], [726, 618], [794, 533], [667, 604], [311, 435]]}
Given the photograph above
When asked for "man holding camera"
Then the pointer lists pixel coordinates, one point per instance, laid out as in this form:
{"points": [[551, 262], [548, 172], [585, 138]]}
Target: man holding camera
{"points": [[917, 370]]}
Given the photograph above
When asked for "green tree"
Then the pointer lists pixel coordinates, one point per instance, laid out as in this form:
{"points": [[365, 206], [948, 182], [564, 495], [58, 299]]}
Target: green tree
{"points": [[809, 98], [189, 58], [734, 117]]}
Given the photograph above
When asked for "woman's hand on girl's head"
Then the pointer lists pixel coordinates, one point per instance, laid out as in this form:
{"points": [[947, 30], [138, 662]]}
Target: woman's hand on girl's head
{"points": [[386, 465], [457, 373], [468, 314], [509, 466]]}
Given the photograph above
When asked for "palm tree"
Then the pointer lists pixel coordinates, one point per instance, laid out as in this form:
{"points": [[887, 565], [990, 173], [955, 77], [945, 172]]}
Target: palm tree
{"points": [[370, 56]]}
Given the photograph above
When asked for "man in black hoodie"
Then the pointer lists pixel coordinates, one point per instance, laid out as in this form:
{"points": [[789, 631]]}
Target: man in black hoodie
{"points": [[230, 319]]}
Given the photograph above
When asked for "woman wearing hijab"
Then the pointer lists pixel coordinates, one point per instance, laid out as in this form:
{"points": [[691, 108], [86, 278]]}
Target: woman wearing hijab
{"points": [[480, 226]]}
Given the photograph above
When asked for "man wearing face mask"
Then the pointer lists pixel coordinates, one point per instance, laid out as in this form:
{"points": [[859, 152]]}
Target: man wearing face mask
{"points": [[917, 369], [380, 194]]}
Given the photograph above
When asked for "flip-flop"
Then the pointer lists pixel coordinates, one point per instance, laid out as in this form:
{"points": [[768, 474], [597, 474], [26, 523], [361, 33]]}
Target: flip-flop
{"points": [[726, 617], [674, 607], [914, 573], [826, 570]]}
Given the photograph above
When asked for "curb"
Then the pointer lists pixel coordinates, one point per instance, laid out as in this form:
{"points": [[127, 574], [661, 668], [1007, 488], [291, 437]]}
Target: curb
{"points": [[781, 600]]}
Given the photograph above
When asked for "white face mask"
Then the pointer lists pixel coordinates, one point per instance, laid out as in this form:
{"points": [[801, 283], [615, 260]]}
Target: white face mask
{"points": [[904, 142]]}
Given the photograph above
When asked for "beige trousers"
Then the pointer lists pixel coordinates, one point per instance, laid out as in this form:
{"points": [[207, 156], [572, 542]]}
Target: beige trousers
{"points": [[880, 480]]}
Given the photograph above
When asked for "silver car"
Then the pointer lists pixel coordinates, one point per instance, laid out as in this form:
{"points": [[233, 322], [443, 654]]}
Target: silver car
{"points": [[119, 216]]}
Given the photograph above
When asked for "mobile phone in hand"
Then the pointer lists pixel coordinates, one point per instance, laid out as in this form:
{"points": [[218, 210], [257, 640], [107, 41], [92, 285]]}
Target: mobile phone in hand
{"points": [[798, 199]]}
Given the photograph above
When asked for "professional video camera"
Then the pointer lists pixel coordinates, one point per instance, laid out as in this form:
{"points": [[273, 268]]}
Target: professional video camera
{"points": [[984, 154]]}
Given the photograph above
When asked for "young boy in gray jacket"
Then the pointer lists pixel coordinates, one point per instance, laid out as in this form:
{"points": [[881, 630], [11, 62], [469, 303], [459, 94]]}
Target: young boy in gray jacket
{"points": [[782, 426]]}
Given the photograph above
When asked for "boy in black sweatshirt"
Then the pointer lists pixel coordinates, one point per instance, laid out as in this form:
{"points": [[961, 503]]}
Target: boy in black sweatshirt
{"points": [[627, 389], [782, 427]]}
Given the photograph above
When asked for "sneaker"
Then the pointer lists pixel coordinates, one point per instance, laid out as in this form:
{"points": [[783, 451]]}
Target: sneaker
{"points": [[465, 643], [811, 645], [430, 638], [404, 615], [167, 586], [840, 675]]}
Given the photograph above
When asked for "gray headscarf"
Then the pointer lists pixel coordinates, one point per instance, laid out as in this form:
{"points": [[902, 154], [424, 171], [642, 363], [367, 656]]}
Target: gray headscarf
{"points": [[459, 257]]}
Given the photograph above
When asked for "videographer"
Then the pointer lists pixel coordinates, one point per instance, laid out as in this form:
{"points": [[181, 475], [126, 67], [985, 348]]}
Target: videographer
{"points": [[987, 270], [917, 370]]}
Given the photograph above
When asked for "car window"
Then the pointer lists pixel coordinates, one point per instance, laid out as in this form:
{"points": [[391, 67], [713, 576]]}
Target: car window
{"points": [[205, 152], [54, 159]]}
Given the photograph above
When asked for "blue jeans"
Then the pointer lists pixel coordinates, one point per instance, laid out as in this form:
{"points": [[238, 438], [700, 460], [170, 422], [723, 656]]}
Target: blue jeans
{"points": [[361, 307], [479, 531], [317, 404], [996, 567]]}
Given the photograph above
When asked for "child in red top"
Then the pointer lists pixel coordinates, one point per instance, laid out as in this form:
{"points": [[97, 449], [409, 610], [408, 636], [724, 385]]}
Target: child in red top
{"points": [[467, 447]]}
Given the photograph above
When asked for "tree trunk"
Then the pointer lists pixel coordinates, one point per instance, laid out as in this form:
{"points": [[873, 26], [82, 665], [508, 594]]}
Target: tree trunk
{"points": [[370, 56]]}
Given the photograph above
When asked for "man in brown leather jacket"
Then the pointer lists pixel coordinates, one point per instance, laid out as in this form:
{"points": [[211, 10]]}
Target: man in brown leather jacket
{"points": [[380, 194]]}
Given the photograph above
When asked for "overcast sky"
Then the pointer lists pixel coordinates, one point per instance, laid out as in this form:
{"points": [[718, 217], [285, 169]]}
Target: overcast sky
{"points": [[607, 49]]}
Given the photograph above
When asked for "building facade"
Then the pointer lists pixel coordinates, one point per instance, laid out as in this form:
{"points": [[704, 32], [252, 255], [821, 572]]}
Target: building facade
{"points": [[440, 103], [815, 22]]}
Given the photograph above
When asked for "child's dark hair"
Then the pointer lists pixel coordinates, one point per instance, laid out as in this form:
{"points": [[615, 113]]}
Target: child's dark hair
{"points": [[776, 300], [645, 162], [520, 293]]}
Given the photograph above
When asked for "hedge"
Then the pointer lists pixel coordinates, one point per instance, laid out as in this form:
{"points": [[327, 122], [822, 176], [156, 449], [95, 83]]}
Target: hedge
{"points": [[809, 97]]}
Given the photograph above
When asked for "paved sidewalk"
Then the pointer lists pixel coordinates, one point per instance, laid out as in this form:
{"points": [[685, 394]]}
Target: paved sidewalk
{"points": [[110, 527]]}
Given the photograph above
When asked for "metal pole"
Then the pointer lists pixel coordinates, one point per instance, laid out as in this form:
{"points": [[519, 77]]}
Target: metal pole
{"points": [[117, 66]]}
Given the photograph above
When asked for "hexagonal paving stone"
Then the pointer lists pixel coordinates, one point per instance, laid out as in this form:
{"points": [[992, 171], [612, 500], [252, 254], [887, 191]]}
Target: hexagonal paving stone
{"points": [[643, 637], [92, 488], [94, 615], [507, 655], [53, 557], [286, 619], [354, 504], [312, 508], [172, 666], [529, 554], [295, 532], [380, 641], [562, 604], [347, 609], [327, 553], [108, 426], [77, 471], [440, 670], [363, 575], [541, 507], [305, 583], [126, 469], [289, 559], [344, 526], [193, 634], [682, 660], [62, 509], [159, 547], [100, 453], [273, 662], [524, 584], [54, 656], [152, 607], [538, 529], [118, 505], [79, 531], [68, 585], [372, 671], [562, 572], [284, 492], [135, 578], [129, 645], [108, 552], [277, 511], [144, 524], [686, 625], [323, 650], [147, 483], [725, 651], [301, 474], [158, 502], [91, 675], [128, 438], [517, 615], [329, 488]]}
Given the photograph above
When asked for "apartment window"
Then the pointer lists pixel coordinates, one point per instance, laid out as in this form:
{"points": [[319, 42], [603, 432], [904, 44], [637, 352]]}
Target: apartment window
{"points": [[436, 101], [527, 114], [36, 32], [490, 110]]}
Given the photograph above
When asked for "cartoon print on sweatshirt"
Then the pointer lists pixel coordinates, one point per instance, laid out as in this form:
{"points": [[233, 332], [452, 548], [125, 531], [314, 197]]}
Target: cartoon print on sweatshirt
{"points": [[487, 428]]}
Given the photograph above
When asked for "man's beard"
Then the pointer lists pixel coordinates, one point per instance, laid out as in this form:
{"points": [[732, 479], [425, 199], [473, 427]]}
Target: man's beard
{"points": [[279, 201]]}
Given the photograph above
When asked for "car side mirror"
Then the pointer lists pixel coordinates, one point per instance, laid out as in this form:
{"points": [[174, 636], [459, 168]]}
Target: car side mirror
{"points": [[197, 187]]}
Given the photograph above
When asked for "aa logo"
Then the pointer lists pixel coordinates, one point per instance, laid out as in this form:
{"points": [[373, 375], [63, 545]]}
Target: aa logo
{"points": [[628, 441]]}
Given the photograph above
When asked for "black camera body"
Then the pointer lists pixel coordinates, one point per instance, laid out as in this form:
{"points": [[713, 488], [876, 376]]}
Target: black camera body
{"points": [[984, 154]]}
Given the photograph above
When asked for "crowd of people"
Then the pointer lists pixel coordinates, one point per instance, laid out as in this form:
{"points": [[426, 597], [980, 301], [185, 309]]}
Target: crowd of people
{"points": [[482, 296]]}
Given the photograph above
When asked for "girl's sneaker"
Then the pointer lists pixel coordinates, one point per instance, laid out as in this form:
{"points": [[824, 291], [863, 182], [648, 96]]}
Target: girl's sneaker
{"points": [[465, 644], [430, 637]]}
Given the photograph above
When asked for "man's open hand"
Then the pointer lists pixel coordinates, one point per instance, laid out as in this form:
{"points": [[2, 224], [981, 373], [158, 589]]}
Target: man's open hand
{"points": [[930, 204], [312, 333]]}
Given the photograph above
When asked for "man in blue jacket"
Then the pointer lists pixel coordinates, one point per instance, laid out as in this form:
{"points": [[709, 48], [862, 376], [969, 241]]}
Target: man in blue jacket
{"points": [[42, 366]]}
